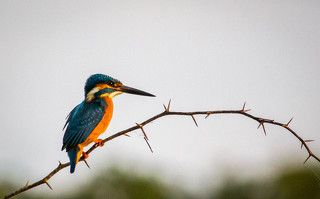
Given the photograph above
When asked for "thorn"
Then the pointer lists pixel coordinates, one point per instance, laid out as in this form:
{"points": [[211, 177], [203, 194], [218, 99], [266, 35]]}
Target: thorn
{"points": [[168, 107], [165, 108], [148, 144], [60, 163], [85, 161], [48, 184], [145, 136], [264, 130], [289, 121], [27, 183], [259, 125], [126, 135], [144, 133], [244, 106], [305, 141], [286, 125], [195, 122], [308, 140], [208, 114], [307, 159]]}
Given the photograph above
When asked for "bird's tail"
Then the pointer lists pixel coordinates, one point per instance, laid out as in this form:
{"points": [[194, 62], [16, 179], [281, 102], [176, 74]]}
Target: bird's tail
{"points": [[74, 155]]}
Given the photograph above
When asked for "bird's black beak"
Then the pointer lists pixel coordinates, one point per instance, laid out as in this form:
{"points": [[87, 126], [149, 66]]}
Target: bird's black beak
{"points": [[127, 89]]}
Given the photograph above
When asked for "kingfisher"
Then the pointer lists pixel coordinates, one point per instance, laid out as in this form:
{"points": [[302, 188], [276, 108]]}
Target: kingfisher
{"points": [[88, 120]]}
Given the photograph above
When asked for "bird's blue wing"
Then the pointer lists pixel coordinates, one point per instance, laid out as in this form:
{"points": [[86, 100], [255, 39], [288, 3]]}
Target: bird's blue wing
{"points": [[81, 122], [70, 115]]}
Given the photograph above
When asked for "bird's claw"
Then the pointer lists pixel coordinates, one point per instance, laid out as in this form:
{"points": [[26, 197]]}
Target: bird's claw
{"points": [[85, 155], [99, 142]]}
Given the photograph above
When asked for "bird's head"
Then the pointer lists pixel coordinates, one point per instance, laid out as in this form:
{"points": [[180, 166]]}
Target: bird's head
{"points": [[99, 86]]}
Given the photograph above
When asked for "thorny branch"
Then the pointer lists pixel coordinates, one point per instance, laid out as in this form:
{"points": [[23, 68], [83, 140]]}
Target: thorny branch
{"points": [[243, 111]]}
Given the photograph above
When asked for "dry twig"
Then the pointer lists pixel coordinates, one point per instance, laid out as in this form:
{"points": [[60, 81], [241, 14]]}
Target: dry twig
{"points": [[167, 112]]}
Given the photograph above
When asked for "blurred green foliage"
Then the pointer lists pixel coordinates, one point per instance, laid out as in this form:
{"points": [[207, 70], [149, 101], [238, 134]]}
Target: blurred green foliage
{"points": [[126, 185], [289, 183]]}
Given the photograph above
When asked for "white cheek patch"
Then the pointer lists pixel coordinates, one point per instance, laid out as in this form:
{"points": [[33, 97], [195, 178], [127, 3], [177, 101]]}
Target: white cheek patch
{"points": [[90, 95], [115, 93], [111, 95]]}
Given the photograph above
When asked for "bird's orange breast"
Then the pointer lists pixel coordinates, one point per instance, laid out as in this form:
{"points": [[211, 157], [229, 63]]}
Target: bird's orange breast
{"points": [[103, 124]]}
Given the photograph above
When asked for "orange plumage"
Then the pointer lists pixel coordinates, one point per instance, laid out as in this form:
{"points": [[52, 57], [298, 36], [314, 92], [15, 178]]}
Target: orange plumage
{"points": [[99, 129]]}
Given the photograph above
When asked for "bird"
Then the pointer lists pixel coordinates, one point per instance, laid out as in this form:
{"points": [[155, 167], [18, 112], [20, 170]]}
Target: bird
{"points": [[89, 119]]}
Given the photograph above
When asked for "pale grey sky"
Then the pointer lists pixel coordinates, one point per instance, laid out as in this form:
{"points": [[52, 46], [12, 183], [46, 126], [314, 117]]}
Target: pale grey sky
{"points": [[201, 54]]}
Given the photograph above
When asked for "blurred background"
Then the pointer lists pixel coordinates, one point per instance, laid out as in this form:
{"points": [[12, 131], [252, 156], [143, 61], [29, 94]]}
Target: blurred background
{"points": [[204, 55]]}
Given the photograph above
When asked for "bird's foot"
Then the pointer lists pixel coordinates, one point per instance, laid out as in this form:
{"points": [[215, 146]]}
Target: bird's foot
{"points": [[99, 142], [85, 155]]}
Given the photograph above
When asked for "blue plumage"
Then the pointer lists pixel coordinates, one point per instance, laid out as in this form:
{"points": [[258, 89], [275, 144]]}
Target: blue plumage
{"points": [[80, 127], [81, 122], [73, 158], [84, 118]]}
